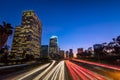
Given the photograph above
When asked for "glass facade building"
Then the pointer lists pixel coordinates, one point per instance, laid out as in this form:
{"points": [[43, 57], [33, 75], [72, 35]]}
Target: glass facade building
{"points": [[53, 46], [70, 53], [44, 51], [62, 52]]}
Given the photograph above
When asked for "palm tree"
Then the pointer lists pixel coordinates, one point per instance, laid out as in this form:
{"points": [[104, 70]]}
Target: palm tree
{"points": [[118, 39], [5, 32]]}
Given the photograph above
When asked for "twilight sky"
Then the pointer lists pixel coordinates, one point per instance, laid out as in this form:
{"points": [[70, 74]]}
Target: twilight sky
{"points": [[77, 23]]}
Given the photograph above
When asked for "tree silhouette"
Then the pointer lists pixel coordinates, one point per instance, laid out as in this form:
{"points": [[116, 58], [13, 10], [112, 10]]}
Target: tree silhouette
{"points": [[5, 32]]}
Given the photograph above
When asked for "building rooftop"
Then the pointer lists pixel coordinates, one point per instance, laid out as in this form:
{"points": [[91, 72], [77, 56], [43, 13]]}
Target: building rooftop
{"points": [[53, 37]]}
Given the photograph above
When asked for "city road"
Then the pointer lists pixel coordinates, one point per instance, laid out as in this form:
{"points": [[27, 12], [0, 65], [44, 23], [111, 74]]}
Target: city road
{"points": [[70, 70]]}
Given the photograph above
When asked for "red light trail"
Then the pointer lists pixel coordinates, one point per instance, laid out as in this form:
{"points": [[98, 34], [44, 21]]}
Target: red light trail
{"points": [[81, 73], [98, 64]]}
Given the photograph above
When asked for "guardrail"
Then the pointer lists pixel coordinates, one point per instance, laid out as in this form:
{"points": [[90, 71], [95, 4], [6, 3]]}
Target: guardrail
{"points": [[13, 66]]}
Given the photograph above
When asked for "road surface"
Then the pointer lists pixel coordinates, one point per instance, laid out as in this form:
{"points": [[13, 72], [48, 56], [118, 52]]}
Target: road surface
{"points": [[108, 71], [70, 70], [80, 73]]}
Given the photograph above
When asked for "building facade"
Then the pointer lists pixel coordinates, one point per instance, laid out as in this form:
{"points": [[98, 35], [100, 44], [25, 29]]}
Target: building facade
{"points": [[27, 36], [70, 53], [53, 46], [67, 54], [44, 51], [79, 52], [62, 52]]}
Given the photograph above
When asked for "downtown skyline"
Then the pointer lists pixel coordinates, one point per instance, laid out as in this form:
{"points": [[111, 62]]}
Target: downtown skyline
{"points": [[76, 23]]}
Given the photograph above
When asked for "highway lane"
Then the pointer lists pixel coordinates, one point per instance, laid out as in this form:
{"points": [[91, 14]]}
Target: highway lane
{"points": [[32, 73], [57, 73], [69, 70], [80, 73], [108, 71], [98, 64], [39, 76]]}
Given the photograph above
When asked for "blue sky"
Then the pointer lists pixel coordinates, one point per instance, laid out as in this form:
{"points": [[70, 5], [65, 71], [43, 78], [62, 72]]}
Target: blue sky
{"points": [[77, 23]]}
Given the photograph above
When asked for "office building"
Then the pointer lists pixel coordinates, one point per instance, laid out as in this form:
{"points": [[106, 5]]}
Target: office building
{"points": [[53, 46], [80, 52], [61, 52], [70, 53], [67, 54], [44, 51], [27, 36]]}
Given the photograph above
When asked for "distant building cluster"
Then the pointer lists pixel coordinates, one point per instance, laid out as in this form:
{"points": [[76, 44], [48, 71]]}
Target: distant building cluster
{"points": [[27, 40], [69, 54], [108, 52], [26, 44]]}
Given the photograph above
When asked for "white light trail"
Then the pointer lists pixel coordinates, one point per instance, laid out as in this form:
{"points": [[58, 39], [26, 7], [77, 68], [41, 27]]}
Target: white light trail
{"points": [[35, 70], [57, 73], [44, 72]]}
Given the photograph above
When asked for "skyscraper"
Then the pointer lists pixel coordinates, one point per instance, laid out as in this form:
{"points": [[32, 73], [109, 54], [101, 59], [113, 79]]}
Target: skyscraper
{"points": [[67, 54], [27, 36], [62, 52], [44, 51], [70, 53], [53, 46], [79, 52]]}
